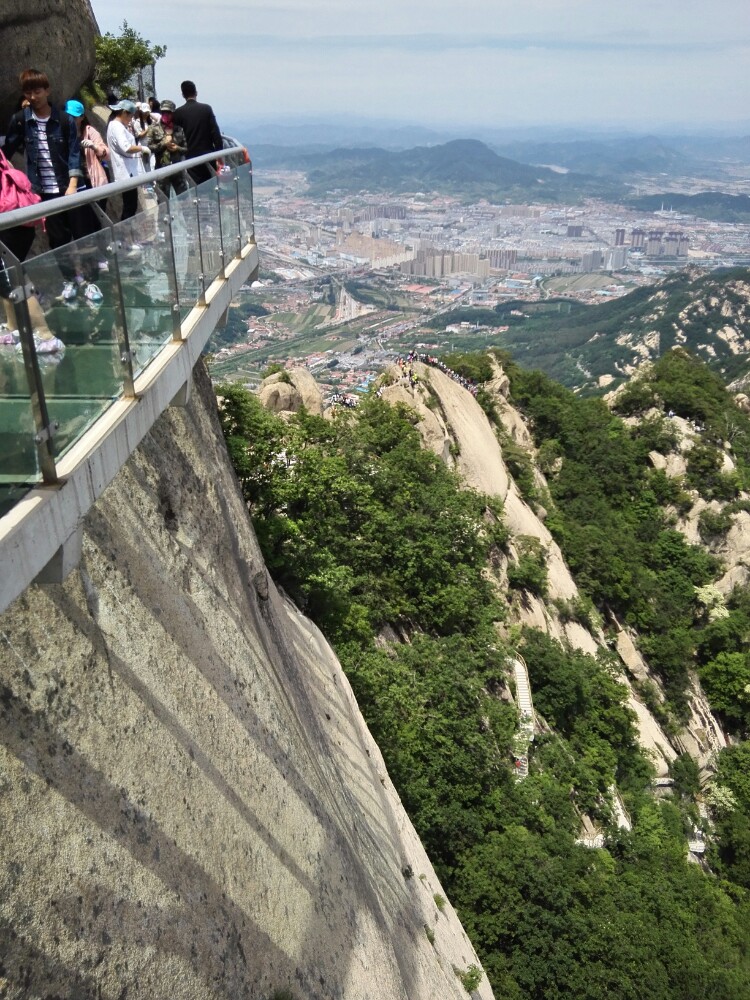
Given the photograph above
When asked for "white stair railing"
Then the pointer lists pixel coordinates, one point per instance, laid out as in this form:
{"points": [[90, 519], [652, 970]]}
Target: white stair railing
{"points": [[526, 720]]}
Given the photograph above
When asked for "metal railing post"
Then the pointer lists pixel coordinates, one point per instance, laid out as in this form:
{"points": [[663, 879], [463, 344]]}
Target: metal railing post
{"points": [[21, 290], [126, 352], [222, 255], [252, 203], [202, 274], [163, 199], [236, 182]]}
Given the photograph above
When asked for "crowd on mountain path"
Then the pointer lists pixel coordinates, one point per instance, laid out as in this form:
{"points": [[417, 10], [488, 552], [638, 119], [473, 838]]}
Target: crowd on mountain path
{"points": [[406, 367], [428, 359]]}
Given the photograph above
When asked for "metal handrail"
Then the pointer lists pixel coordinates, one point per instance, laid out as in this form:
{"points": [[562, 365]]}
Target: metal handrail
{"points": [[218, 194], [24, 216]]}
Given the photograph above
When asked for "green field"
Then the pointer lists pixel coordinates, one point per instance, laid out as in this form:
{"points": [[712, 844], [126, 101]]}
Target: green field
{"points": [[307, 321], [580, 282]]}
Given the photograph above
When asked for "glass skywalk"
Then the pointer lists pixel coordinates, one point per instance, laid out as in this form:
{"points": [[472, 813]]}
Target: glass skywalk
{"points": [[92, 315]]}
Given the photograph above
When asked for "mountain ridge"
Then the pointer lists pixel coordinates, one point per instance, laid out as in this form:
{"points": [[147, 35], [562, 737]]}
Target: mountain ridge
{"points": [[466, 167]]}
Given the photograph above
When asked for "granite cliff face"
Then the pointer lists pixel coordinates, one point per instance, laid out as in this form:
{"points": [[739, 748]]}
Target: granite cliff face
{"points": [[190, 803], [55, 36], [454, 426]]}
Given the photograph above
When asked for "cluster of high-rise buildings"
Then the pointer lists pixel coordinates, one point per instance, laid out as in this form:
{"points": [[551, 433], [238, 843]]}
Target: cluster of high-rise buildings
{"points": [[611, 259], [372, 212], [437, 238], [658, 243], [653, 243], [439, 263], [431, 262]]}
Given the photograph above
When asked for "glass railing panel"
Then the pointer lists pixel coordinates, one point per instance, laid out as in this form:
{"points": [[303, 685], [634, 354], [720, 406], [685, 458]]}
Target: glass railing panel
{"points": [[230, 226], [78, 331], [144, 261], [247, 219], [18, 456], [210, 225], [184, 211]]}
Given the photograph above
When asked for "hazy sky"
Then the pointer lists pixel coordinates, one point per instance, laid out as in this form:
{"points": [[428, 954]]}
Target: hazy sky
{"points": [[493, 62]]}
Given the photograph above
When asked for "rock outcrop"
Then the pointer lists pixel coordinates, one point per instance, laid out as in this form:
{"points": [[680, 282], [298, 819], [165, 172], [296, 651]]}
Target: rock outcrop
{"points": [[55, 36], [191, 803], [290, 391]]}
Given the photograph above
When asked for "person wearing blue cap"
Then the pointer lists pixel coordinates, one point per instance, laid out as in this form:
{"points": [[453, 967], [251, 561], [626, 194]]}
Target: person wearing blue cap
{"points": [[95, 150], [83, 219]]}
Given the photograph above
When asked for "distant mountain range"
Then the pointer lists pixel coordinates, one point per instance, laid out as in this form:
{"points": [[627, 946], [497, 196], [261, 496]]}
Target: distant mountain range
{"points": [[463, 167], [610, 158], [626, 158], [553, 171]]}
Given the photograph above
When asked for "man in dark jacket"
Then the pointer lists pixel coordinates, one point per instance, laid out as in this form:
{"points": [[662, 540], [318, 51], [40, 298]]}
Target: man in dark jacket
{"points": [[49, 139], [201, 131]]}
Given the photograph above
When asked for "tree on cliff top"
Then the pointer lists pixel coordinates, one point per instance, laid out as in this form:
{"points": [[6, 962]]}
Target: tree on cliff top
{"points": [[118, 57]]}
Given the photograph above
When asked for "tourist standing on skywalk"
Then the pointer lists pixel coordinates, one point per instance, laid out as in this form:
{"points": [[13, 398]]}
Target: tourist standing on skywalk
{"points": [[126, 155], [49, 139], [201, 131]]}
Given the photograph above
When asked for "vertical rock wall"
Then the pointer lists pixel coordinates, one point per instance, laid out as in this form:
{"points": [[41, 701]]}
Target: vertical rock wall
{"points": [[55, 36], [190, 804]]}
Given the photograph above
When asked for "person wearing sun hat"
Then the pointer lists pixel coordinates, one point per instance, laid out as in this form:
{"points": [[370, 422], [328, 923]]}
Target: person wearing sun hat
{"points": [[126, 155]]}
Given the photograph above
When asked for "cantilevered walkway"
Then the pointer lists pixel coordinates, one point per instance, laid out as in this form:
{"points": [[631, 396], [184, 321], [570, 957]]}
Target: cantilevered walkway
{"points": [[89, 373]]}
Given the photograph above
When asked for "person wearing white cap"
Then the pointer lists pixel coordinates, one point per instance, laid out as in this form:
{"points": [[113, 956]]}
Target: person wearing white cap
{"points": [[126, 155]]}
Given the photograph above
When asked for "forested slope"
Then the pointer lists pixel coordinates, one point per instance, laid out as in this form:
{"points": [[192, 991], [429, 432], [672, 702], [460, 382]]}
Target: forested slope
{"points": [[588, 347], [426, 594]]}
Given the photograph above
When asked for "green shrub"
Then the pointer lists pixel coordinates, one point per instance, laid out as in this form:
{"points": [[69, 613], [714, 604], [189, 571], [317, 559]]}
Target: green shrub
{"points": [[684, 503], [440, 901], [726, 680], [686, 775], [520, 466], [92, 93], [713, 524], [656, 434], [470, 978], [530, 572], [666, 489], [549, 457], [704, 473], [579, 609]]}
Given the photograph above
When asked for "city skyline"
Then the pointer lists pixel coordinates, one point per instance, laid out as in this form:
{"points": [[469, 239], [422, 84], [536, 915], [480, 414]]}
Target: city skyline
{"points": [[578, 63]]}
